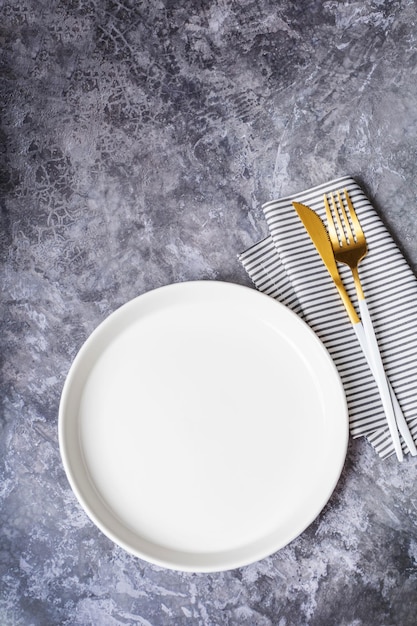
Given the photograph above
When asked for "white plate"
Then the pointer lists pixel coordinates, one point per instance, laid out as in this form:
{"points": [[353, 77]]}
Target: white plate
{"points": [[203, 426]]}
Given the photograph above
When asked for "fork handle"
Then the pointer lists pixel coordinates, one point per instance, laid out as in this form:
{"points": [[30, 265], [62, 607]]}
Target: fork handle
{"points": [[399, 416], [371, 351]]}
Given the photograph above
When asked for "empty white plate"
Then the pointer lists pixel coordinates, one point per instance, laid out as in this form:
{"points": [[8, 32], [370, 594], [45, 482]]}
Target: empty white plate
{"points": [[203, 426]]}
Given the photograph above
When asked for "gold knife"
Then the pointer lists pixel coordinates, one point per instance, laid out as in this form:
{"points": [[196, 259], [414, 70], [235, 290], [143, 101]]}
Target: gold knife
{"points": [[317, 230]]}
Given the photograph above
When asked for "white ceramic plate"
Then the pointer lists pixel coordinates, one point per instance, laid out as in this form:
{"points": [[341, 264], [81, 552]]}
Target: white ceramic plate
{"points": [[203, 426]]}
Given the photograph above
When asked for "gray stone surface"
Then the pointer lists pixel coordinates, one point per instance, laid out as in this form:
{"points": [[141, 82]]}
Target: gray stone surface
{"points": [[139, 140]]}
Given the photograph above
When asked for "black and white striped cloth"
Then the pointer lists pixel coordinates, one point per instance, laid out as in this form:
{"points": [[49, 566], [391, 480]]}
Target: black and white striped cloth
{"points": [[286, 266]]}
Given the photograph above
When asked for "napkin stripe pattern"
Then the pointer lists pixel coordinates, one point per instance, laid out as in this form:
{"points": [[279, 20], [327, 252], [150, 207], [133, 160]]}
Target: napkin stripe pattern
{"points": [[268, 274], [286, 266]]}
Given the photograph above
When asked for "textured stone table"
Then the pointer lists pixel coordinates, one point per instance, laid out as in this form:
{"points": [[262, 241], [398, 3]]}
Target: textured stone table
{"points": [[139, 141]]}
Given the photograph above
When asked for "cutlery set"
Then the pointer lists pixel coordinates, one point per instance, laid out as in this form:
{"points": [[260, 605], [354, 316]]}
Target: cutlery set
{"points": [[344, 242]]}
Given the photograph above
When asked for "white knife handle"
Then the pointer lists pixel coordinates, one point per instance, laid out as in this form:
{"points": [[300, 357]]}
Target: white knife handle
{"points": [[399, 416], [374, 359]]}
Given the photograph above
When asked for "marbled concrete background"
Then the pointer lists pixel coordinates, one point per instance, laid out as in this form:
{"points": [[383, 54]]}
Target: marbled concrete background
{"points": [[138, 142]]}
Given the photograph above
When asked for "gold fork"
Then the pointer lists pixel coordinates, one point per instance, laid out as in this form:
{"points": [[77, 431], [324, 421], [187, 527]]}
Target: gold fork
{"points": [[350, 247]]}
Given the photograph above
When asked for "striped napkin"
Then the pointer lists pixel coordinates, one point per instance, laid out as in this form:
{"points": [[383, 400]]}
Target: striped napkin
{"points": [[286, 266]]}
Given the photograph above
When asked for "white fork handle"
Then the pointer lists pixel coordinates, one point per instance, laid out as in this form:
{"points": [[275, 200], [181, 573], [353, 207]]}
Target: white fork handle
{"points": [[399, 416], [367, 338]]}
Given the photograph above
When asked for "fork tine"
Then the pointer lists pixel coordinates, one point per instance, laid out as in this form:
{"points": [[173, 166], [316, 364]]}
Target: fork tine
{"points": [[348, 229], [334, 238], [354, 218], [342, 234]]}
